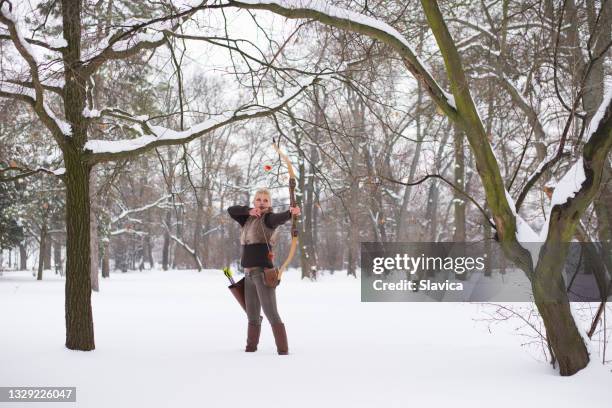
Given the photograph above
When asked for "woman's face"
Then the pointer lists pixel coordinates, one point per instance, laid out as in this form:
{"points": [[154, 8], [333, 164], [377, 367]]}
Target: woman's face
{"points": [[262, 201]]}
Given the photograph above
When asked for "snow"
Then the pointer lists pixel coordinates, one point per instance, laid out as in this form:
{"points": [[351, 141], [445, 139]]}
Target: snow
{"points": [[64, 126], [176, 338], [598, 116], [569, 184], [565, 189], [5, 10], [524, 101], [128, 231], [91, 113], [152, 33], [134, 40], [57, 43], [543, 163], [451, 99], [525, 235], [17, 89], [162, 133], [125, 211], [487, 75]]}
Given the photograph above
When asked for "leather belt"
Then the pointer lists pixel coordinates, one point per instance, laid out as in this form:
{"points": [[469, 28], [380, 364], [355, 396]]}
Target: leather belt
{"points": [[248, 271]]}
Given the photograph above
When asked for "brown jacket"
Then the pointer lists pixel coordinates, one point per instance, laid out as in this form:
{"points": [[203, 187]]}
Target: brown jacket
{"points": [[254, 233]]}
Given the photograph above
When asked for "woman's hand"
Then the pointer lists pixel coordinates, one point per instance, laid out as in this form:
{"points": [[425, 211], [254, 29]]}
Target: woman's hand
{"points": [[295, 210], [255, 212]]}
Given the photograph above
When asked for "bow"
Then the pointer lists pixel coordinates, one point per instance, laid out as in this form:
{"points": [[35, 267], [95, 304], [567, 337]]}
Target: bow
{"points": [[294, 230]]}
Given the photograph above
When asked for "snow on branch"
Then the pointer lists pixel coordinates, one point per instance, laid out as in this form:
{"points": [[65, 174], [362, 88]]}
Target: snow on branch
{"points": [[156, 136], [56, 44], [28, 95], [121, 46], [190, 250], [136, 35], [574, 192], [356, 22], [128, 231], [146, 207], [34, 96], [601, 112], [26, 172], [47, 84], [569, 185]]}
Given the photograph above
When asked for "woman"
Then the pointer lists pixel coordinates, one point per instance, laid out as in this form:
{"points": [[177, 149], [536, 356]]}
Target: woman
{"points": [[257, 237]]}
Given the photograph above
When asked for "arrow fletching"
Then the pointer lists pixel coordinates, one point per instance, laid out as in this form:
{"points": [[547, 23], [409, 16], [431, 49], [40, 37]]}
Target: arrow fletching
{"points": [[228, 273]]}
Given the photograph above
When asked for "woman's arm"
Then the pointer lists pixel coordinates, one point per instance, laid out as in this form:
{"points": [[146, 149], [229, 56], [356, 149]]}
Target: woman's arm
{"points": [[239, 213], [273, 220]]}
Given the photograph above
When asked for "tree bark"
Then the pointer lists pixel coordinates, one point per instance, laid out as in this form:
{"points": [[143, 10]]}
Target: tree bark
{"points": [[47, 247], [41, 251], [43, 242], [57, 257], [106, 259], [166, 246], [79, 319], [93, 237], [551, 300], [401, 232], [458, 198], [23, 257]]}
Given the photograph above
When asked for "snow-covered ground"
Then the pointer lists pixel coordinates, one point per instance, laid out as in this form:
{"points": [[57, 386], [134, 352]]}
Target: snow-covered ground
{"points": [[176, 339]]}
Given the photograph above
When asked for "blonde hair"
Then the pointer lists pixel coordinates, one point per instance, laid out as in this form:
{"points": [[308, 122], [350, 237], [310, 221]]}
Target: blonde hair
{"points": [[263, 191]]}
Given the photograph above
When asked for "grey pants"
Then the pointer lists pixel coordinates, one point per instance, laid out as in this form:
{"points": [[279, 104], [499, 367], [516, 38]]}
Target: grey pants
{"points": [[258, 295]]}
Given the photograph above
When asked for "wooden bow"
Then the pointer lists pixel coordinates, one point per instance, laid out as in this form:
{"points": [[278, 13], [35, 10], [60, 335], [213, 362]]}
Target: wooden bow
{"points": [[294, 229]]}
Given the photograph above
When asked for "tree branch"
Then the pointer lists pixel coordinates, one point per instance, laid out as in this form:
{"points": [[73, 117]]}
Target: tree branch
{"points": [[156, 136], [55, 125], [359, 23]]}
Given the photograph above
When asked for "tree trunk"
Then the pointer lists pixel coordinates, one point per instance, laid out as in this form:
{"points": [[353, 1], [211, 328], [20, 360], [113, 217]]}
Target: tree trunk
{"points": [[401, 232], [43, 243], [488, 237], [106, 259], [459, 199], [551, 299], [47, 247], [563, 336], [197, 231], [57, 257], [148, 246], [432, 212], [166, 246], [23, 257], [591, 101], [79, 319], [304, 201], [93, 237], [39, 274]]}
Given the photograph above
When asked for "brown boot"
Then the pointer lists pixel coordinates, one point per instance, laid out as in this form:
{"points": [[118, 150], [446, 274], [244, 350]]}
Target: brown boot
{"points": [[280, 337], [253, 336]]}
